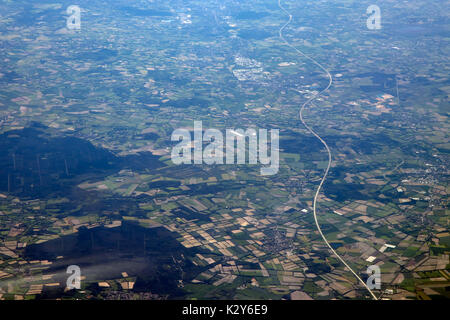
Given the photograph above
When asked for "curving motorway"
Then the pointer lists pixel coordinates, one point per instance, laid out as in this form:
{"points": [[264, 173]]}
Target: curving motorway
{"points": [[309, 101]]}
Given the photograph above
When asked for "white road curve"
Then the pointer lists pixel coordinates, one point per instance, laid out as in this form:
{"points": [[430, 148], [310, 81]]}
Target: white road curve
{"points": [[309, 101]]}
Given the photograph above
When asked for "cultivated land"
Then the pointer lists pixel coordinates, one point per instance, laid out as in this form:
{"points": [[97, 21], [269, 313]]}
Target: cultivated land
{"points": [[86, 178]]}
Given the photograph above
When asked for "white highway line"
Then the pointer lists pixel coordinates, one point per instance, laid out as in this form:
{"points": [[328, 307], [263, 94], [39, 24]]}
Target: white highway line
{"points": [[322, 141]]}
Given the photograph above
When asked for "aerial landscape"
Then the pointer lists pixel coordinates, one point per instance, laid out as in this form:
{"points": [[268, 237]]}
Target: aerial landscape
{"points": [[341, 193]]}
